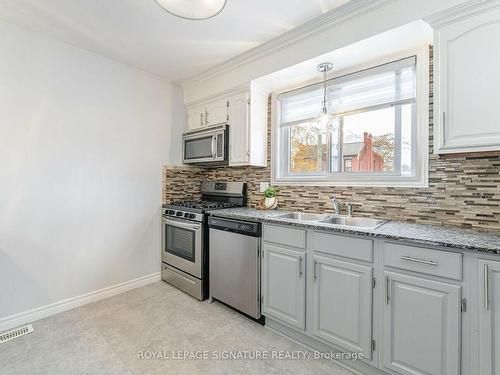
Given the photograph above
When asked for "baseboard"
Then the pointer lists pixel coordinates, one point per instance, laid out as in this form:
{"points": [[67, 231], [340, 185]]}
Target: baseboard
{"points": [[29, 316]]}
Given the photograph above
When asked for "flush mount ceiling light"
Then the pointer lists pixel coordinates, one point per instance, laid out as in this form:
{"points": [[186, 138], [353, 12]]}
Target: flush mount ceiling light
{"points": [[324, 122], [193, 9]]}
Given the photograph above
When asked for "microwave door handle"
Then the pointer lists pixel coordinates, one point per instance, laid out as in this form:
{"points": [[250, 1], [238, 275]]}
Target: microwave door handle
{"points": [[214, 146]]}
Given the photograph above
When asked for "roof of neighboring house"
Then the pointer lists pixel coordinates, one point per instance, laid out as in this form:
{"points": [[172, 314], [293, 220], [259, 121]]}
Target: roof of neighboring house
{"points": [[352, 149]]}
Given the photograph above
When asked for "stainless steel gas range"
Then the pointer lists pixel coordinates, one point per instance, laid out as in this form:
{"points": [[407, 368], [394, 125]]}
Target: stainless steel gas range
{"points": [[185, 235]]}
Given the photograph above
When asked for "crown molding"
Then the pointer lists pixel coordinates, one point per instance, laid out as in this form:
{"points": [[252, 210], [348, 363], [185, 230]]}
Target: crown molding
{"points": [[220, 95], [354, 8], [460, 12]]}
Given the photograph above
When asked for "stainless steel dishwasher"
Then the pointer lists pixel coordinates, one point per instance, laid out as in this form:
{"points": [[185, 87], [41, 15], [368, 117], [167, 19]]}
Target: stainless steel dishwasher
{"points": [[234, 264]]}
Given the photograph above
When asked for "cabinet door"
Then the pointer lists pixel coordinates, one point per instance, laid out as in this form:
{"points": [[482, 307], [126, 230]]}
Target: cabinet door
{"points": [[421, 326], [342, 304], [489, 317], [239, 120], [284, 285], [196, 117], [466, 83], [216, 112]]}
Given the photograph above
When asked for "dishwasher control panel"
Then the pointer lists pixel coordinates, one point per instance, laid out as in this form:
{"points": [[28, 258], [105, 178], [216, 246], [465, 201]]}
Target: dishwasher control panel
{"points": [[238, 226]]}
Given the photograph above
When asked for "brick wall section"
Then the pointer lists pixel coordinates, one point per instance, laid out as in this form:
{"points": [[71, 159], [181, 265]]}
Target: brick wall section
{"points": [[464, 190]]}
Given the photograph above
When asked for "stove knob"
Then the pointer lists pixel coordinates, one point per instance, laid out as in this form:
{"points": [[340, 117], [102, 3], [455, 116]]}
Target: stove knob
{"points": [[171, 212], [192, 216], [178, 214], [186, 215]]}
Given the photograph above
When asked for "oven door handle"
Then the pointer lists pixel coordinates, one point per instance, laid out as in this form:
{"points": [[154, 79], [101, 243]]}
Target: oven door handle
{"points": [[180, 224]]}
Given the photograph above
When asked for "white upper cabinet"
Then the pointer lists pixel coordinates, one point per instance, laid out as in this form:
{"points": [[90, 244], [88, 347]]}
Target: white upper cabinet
{"points": [[245, 111], [208, 114], [216, 112], [248, 127], [466, 79], [239, 140], [196, 117]]}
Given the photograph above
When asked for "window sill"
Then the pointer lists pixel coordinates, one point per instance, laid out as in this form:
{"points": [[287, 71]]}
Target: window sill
{"points": [[358, 182]]}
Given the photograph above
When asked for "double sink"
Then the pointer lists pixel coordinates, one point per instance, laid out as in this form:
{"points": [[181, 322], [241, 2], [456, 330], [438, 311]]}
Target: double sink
{"points": [[360, 222]]}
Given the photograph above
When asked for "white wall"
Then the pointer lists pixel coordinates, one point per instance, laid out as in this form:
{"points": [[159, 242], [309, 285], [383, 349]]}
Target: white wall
{"points": [[82, 142]]}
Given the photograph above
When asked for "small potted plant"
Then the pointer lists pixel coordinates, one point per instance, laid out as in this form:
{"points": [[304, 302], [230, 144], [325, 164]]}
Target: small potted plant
{"points": [[271, 201]]}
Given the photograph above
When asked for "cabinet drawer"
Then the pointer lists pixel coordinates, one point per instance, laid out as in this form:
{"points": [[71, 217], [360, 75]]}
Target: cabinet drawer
{"points": [[285, 236], [419, 259], [348, 247]]}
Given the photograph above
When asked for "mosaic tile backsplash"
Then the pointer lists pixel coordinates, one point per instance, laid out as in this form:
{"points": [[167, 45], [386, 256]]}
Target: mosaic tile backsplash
{"points": [[464, 190]]}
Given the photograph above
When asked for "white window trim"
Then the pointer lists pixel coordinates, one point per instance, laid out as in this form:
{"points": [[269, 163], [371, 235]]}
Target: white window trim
{"points": [[421, 178]]}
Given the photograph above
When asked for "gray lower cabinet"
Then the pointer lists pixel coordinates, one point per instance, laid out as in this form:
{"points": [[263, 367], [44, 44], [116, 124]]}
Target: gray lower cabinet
{"points": [[421, 331], [489, 317], [342, 304], [284, 285]]}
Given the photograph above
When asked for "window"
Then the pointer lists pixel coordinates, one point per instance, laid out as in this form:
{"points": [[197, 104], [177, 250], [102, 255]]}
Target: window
{"points": [[347, 164], [375, 134]]}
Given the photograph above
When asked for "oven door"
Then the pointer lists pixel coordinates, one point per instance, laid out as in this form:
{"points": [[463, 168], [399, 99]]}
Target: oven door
{"points": [[182, 245]]}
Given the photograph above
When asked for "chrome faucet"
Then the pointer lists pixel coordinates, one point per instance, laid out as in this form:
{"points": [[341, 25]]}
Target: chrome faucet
{"points": [[336, 205], [349, 209]]}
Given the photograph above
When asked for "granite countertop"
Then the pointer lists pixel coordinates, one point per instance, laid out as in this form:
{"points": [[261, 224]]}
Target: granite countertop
{"points": [[422, 234]]}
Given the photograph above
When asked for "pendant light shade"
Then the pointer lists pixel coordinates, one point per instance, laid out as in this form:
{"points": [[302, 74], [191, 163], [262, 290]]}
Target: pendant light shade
{"points": [[193, 9], [324, 122]]}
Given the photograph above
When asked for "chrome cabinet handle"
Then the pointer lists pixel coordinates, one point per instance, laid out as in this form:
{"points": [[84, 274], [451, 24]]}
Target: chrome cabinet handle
{"points": [[387, 290], [315, 275], [201, 119], [421, 261], [300, 267], [206, 117], [486, 287]]}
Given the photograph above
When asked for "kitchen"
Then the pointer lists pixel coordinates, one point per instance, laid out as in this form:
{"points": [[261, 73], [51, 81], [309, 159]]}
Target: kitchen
{"points": [[324, 200]]}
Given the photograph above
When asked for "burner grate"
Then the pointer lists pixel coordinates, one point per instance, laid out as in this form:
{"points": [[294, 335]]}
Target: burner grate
{"points": [[203, 204]]}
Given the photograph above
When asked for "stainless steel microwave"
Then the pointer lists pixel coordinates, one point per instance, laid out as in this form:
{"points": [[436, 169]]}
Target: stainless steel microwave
{"points": [[207, 146]]}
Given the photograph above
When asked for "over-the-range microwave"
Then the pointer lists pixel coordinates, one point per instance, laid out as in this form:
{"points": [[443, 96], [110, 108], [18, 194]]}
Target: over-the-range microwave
{"points": [[207, 146]]}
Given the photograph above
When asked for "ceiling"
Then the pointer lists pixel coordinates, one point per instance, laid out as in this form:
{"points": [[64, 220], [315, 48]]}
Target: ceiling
{"points": [[141, 34]]}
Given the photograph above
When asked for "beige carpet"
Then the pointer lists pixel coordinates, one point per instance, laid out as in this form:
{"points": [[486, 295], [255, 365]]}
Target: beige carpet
{"points": [[108, 336]]}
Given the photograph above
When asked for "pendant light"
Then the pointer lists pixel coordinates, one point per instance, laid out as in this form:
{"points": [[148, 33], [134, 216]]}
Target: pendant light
{"points": [[324, 122], [193, 9]]}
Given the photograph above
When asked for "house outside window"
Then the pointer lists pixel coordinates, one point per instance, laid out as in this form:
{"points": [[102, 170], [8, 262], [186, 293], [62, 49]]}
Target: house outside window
{"points": [[360, 156], [379, 136]]}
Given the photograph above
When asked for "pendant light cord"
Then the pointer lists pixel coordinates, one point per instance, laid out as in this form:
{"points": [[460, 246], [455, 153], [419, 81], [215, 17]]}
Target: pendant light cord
{"points": [[324, 92]]}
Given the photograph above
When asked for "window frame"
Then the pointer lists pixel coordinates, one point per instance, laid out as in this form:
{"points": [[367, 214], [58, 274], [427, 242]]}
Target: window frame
{"points": [[420, 135]]}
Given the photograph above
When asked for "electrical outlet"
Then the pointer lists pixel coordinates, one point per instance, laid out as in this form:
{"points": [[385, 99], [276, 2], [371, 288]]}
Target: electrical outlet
{"points": [[263, 186]]}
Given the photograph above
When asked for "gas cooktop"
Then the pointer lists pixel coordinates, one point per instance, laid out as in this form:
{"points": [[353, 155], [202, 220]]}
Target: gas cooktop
{"points": [[214, 195], [193, 210], [201, 205]]}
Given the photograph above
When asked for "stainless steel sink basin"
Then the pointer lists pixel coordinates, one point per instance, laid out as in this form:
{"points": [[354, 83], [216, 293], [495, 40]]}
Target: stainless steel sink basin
{"points": [[304, 216], [361, 222]]}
